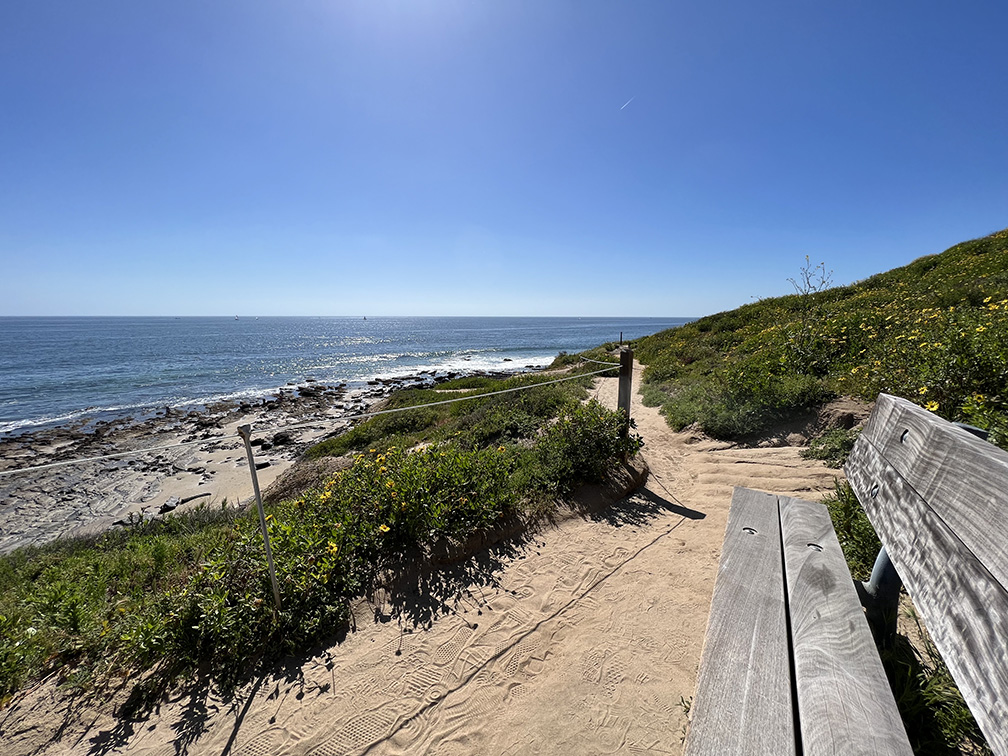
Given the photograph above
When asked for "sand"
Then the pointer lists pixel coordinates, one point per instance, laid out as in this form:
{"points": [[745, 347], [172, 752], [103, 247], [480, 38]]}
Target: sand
{"points": [[584, 637], [38, 506]]}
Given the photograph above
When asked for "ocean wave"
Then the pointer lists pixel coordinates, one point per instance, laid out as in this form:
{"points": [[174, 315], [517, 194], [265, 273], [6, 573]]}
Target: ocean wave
{"points": [[52, 421], [196, 363], [389, 365], [496, 361]]}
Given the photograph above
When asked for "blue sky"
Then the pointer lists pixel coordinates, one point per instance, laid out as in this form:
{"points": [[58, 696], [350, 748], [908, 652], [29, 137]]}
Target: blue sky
{"points": [[480, 158]]}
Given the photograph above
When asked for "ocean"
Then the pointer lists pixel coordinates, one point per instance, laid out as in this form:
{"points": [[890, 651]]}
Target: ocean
{"points": [[60, 370]]}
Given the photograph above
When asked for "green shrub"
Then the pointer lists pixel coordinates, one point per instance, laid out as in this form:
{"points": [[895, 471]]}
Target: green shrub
{"points": [[471, 422], [934, 332], [741, 401], [468, 382], [580, 445], [832, 447], [377, 431], [653, 395], [96, 605], [854, 530], [192, 591], [563, 360]]}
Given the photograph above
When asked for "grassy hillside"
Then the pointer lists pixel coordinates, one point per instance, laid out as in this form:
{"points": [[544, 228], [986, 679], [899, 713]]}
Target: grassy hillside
{"points": [[934, 331]]}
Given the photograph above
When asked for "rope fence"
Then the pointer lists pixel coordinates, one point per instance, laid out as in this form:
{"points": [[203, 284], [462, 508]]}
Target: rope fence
{"points": [[307, 424], [245, 431]]}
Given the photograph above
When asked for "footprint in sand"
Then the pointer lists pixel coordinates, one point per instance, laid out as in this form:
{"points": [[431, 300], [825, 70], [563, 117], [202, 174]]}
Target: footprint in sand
{"points": [[480, 703], [604, 668], [357, 734], [264, 744], [419, 682], [591, 665], [450, 650], [521, 655]]}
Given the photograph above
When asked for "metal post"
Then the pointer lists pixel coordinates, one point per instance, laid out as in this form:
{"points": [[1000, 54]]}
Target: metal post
{"points": [[625, 380], [245, 431], [880, 595], [880, 598]]}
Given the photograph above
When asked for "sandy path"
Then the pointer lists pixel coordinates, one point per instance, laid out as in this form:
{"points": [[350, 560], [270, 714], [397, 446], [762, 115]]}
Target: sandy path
{"points": [[582, 639]]}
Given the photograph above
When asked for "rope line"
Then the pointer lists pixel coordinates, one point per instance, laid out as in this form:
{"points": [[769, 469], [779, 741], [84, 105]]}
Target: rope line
{"points": [[376, 413], [360, 416], [600, 362]]}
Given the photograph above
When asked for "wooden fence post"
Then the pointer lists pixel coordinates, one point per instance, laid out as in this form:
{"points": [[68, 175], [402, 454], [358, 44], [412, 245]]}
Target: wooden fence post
{"points": [[625, 380], [245, 431]]}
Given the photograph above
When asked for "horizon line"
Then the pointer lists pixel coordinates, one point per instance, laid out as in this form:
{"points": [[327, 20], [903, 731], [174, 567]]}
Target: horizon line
{"points": [[365, 317]]}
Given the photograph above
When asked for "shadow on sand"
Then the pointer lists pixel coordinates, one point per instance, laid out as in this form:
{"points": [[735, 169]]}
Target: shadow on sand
{"points": [[414, 592]]}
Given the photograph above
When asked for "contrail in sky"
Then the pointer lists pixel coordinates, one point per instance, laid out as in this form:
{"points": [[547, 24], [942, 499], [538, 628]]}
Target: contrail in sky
{"points": [[627, 102]]}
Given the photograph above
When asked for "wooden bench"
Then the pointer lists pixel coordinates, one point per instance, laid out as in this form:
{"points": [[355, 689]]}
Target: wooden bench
{"points": [[789, 664]]}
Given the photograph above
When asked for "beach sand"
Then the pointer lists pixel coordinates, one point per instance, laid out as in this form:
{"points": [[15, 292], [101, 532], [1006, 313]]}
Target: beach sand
{"points": [[38, 506], [583, 637]]}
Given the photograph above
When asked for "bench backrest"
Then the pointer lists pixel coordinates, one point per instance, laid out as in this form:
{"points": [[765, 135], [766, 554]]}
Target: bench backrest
{"points": [[938, 498]]}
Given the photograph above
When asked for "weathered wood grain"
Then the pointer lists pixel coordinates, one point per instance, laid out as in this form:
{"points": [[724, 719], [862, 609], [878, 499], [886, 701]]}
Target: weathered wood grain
{"points": [[743, 702], [962, 478], [845, 703], [962, 603]]}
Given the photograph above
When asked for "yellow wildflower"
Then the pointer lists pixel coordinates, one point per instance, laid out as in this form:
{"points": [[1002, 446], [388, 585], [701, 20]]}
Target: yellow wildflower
{"points": [[931, 406], [922, 390], [333, 548], [383, 528]]}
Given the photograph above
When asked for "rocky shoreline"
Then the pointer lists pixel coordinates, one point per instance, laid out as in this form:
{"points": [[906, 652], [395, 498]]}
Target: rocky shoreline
{"points": [[37, 506]]}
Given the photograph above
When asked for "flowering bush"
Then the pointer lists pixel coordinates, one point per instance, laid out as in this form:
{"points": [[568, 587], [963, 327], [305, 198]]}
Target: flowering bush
{"points": [[934, 332], [193, 590]]}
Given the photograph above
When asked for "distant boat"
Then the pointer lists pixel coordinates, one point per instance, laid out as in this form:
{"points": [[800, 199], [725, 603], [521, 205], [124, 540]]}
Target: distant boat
{"points": [[236, 317], [365, 317]]}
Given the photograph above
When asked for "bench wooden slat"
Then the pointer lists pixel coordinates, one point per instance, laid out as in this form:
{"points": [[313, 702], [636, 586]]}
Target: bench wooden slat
{"points": [[844, 700], [962, 603], [743, 703], [962, 478]]}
